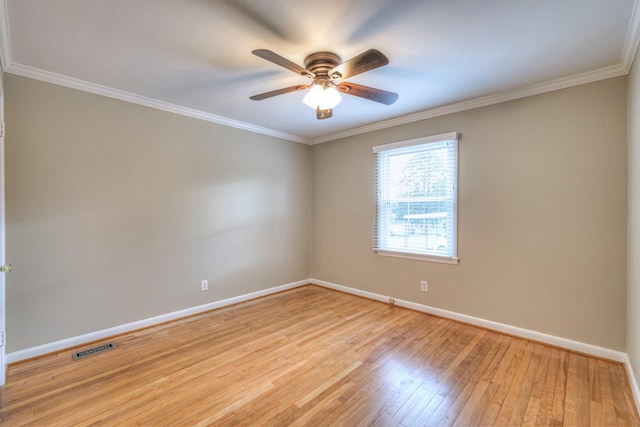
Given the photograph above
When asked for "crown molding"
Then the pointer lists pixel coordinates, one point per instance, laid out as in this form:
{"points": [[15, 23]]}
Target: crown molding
{"points": [[5, 46], [9, 66], [97, 89], [633, 38], [631, 44], [59, 79], [563, 83]]}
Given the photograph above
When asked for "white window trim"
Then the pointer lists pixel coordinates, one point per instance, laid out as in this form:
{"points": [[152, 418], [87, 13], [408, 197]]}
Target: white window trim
{"points": [[454, 260], [417, 256], [416, 141]]}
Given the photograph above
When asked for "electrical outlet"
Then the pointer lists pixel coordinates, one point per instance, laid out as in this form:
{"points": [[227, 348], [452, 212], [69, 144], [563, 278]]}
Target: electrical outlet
{"points": [[204, 285], [423, 286]]}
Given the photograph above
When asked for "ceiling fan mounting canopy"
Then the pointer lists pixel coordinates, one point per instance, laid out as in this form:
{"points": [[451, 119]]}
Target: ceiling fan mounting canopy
{"points": [[324, 68]]}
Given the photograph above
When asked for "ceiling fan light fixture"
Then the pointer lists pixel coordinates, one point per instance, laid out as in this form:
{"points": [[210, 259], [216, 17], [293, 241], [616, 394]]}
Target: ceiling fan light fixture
{"points": [[331, 98], [323, 98], [312, 98]]}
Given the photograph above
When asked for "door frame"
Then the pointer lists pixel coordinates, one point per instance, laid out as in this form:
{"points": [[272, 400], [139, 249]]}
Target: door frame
{"points": [[3, 361]]}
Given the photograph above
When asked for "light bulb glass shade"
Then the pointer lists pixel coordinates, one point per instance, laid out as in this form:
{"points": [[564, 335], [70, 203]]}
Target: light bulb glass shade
{"points": [[319, 97], [330, 99], [312, 99]]}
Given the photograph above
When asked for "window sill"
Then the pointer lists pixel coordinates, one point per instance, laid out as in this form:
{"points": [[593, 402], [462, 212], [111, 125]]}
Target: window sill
{"points": [[417, 256]]}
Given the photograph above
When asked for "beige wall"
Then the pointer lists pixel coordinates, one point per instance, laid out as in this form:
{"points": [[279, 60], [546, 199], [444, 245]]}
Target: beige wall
{"points": [[542, 215], [633, 256], [115, 212]]}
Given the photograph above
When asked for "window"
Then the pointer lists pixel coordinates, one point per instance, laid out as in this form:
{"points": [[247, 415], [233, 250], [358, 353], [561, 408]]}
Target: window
{"points": [[417, 197]]}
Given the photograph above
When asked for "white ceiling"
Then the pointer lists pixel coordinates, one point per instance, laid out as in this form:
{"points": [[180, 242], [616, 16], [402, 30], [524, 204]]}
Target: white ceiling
{"points": [[194, 57]]}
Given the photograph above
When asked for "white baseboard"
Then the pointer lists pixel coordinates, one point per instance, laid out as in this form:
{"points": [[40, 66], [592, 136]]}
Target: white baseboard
{"points": [[577, 346], [488, 324], [40, 350]]}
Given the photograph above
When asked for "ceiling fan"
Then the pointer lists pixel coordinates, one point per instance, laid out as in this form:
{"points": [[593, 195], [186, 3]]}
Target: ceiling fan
{"points": [[325, 69]]}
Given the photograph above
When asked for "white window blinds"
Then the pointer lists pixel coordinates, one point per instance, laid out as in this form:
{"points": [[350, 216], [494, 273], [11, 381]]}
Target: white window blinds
{"points": [[417, 196]]}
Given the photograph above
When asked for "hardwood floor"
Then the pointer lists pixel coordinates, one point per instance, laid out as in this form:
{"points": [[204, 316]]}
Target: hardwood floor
{"points": [[316, 357]]}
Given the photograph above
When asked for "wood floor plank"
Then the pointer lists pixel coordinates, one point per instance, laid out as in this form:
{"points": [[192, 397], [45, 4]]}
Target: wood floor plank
{"points": [[316, 357], [534, 401], [528, 394], [504, 378], [517, 388], [474, 410], [584, 402], [606, 393], [560, 393], [545, 410], [622, 399]]}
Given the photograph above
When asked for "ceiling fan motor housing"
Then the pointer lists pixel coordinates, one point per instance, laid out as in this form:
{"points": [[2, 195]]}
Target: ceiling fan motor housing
{"points": [[320, 63]]}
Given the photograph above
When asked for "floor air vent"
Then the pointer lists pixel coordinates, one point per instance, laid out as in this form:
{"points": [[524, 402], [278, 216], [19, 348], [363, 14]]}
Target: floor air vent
{"points": [[85, 353]]}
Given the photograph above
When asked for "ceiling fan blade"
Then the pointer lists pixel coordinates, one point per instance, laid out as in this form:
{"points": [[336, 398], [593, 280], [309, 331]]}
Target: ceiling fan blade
{"points": [[282, 91], [324, 114], [370, 93], [366, 61], [283, 62]]}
